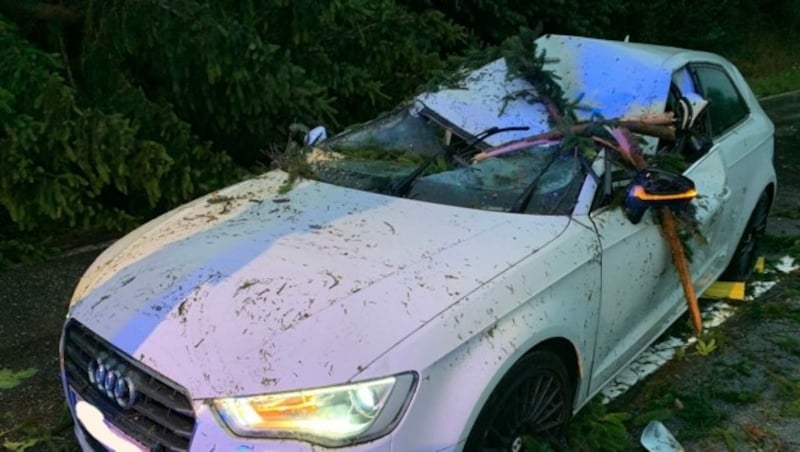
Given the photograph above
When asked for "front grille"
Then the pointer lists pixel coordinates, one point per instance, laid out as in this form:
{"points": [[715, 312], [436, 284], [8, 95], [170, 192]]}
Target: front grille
{"points": [[161, 417]]}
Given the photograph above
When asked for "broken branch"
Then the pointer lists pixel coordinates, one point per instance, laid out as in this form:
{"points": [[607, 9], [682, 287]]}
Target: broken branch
{"points": [[658, 130], [670, 229]]}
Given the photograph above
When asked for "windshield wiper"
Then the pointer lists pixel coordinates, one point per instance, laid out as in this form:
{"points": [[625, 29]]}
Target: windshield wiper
{"points": [[402, 187], [525, 198]]}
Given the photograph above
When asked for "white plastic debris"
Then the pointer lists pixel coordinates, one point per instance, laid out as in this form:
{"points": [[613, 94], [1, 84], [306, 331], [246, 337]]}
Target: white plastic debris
{"points": [[316, 135], [657, 438], [717, 313], [786, 264], [760, 288]]}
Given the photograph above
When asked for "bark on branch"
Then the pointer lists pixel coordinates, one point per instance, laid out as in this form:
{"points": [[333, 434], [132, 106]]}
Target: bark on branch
{"points": [[670, 230], [645, 126]]}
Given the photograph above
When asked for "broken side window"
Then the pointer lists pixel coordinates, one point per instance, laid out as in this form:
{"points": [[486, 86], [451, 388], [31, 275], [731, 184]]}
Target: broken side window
{"points": [[693, 135]]}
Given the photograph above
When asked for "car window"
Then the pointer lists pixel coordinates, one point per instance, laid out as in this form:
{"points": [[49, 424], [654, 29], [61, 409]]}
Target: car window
{"points": [[694, 138], [726, 106]]}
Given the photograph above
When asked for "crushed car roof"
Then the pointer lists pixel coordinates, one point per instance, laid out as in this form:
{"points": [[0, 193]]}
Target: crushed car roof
{"points": [[608, 78]]}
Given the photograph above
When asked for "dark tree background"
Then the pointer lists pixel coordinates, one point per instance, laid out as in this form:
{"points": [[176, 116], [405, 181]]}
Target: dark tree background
{"points": [[115, 110]]}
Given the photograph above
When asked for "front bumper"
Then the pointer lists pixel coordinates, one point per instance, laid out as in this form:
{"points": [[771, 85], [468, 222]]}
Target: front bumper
{"points": [[162, 418], [209, 435]]}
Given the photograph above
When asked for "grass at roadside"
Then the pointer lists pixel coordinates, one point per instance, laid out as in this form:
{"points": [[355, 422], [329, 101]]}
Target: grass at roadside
{"points": [[788, 80], [746, 393], [35, 436], [770, 63]]}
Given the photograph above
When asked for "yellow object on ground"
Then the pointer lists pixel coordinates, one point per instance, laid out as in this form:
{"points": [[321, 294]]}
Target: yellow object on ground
{"points": [[726, 290], [759, 268], [732, 290]]}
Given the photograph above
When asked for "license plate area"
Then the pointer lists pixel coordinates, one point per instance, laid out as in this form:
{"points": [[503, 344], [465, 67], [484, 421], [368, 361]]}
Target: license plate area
{"points": [[94, 423]]}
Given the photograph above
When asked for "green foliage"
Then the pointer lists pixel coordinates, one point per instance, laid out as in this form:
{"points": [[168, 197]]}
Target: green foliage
{"points": [[100, 157], [492, 21], [789, 389], [116, 110], [51, 431], [595, 428], [658, 414], [10, 379], [294, 161], [740, 397], [699, 414], [730, 436], [20, 446], [714, 25], [20, 250], [525, 62], [788, 80], [788, 344], [705, 348], [240, 74]]}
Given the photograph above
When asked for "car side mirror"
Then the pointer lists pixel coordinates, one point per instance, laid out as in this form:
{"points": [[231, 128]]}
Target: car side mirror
{"points": [[657, 188]]}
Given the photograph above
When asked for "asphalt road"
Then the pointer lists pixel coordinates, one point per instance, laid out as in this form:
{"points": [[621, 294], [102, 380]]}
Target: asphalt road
{"points": [[35, 297], [784, 110]]}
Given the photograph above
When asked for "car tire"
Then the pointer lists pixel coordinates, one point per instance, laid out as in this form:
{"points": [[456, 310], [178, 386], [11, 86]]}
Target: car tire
{"points": [[744, 258], [533, 399]]}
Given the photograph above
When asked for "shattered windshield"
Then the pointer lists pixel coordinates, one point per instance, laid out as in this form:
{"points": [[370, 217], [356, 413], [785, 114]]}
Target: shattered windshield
{"points": [[408, 154]]}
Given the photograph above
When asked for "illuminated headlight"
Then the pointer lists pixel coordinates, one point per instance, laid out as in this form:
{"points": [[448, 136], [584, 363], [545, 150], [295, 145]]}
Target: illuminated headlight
{"points": [[332, 416]]}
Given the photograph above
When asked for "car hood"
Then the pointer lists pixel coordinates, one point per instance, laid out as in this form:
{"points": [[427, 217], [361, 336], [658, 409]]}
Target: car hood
{"points": [[248, 291]]}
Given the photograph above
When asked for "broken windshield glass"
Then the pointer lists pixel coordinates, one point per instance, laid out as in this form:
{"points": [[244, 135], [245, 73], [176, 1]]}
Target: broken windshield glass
{"points": [[398, 132], [382, 154], [498, 183]]}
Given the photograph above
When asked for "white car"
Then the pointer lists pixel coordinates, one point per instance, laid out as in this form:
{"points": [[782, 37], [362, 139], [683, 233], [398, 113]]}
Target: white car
{"points": [[384, 302]]}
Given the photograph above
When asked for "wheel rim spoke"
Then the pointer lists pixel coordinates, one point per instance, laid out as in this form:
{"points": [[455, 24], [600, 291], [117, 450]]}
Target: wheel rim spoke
{"points": [[544, 399], [534, 405]]}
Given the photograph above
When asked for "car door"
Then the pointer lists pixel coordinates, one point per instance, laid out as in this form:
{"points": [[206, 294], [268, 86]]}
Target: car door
{"points": [[740, 140], [710, 171], [638, 292], [641, 292]]}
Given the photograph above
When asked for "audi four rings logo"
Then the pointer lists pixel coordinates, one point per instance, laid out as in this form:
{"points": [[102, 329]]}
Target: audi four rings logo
{"points": [[109, 375]]}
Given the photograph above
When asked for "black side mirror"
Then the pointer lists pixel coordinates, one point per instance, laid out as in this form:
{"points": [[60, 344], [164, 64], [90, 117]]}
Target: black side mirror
{"points": [[657, 188]]}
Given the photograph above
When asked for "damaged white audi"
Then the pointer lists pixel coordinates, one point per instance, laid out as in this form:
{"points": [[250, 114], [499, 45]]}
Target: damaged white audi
{"points": [[462, 273]]}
